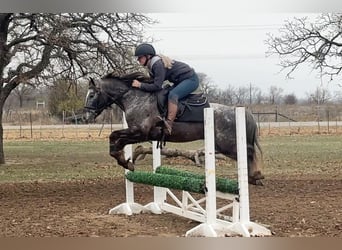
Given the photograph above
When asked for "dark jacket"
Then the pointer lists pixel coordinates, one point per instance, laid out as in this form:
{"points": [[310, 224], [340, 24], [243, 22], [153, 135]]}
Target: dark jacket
{"points": [[179, 72]]}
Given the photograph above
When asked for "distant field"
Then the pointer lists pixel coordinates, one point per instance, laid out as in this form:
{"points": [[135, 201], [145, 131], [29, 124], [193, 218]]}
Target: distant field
{"points": [[43, 160], [101, 132], [59, 132]]}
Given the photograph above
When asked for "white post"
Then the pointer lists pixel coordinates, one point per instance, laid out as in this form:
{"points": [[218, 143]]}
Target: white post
{"points": [[130, 207], [159, 193], [208, 227], [245, 227], [128, 154], [210, 175], [242, 164]]}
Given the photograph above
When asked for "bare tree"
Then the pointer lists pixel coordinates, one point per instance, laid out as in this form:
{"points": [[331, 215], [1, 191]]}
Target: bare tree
{"points": [[290, 99], [319, 96], [275, 95], [257, 96], [205, 84], [316, 42], [24, 92], [227, 96], [242, 95], [35, 48], [338, 97]]}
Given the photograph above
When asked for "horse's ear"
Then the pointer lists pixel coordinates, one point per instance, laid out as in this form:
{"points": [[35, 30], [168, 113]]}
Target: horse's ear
{"points": [[92, 83]]}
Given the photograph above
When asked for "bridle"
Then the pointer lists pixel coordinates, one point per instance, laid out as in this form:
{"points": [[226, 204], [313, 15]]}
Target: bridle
{"points": [[95, 109]]}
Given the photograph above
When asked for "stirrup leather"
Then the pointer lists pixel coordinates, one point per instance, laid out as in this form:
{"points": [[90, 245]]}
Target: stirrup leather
{"points": [[168, 126]]}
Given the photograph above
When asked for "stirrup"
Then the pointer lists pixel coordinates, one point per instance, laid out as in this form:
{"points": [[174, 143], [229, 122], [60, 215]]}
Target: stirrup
{"points": [[168, 127], [166, 124], [159, 121]]}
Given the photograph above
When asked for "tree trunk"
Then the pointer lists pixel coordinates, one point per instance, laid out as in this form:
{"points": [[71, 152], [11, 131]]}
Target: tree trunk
{"points": [[194, 155]]}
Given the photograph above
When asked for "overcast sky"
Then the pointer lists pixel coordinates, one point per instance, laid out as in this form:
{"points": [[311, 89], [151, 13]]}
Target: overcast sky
{"points": [[230, 49]]}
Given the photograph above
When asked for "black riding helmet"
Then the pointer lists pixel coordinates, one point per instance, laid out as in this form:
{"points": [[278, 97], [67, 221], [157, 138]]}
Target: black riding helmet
{"points": [[144, 49]]}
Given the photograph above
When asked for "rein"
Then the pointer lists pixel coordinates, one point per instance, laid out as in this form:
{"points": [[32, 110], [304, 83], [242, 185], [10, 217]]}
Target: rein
{"points": [[114, 100], [117, 94]]}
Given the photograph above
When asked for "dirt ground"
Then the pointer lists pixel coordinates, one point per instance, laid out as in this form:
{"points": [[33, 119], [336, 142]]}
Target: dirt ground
{"points": [[291, 207]]}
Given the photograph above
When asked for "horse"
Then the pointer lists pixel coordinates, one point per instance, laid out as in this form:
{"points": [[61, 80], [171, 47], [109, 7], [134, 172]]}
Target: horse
{"points": [[141, 112]]}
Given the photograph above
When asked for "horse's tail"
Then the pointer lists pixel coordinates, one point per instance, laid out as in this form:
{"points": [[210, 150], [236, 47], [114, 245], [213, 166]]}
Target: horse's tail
{"points": [[252, 133], [254, 164], [256, 141]]}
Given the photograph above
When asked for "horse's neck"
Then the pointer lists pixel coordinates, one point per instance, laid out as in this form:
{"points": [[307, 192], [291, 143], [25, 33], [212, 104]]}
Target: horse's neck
{"points": [[136, 100]]}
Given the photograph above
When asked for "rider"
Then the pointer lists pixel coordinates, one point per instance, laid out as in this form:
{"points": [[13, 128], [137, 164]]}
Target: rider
{"points": [[161, 68]]}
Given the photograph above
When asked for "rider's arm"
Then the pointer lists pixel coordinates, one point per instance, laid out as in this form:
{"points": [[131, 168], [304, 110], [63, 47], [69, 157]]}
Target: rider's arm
{"points": [[159, 75]]}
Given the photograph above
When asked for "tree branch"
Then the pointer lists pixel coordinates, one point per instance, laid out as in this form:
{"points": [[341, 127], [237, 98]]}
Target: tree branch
{"points": [[318, 44]]}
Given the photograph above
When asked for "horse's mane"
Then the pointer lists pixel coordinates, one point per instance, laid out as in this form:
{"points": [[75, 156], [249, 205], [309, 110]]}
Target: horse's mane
{"points": [[128, 78]]}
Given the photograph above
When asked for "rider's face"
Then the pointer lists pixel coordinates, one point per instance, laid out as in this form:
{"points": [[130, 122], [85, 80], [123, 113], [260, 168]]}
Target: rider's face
{"points": [[142, 60]]}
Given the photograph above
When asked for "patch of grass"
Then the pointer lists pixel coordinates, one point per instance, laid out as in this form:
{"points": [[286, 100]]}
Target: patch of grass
{"points": [[73, 160], [57, 160], [310, 154]]}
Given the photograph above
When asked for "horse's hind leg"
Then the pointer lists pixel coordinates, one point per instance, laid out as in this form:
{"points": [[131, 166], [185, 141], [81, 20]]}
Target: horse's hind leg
{"points": [[254, 168]]}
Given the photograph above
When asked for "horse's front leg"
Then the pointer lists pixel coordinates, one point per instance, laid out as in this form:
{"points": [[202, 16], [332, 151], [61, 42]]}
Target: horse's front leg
{"points": [[118, 140]]}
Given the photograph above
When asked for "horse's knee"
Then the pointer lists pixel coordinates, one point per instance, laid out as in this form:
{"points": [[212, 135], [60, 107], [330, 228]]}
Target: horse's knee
{"points": [[113, 135], [112, 150]]}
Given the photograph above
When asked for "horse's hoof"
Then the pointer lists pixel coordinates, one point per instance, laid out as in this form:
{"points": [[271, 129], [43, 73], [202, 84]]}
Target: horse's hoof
{"points": [[130, 166], [259, 183], [256, 182], [256, 178]]}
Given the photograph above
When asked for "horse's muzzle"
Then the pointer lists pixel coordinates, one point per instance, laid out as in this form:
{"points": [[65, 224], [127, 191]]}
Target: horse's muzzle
{"points": [[90, 115]]}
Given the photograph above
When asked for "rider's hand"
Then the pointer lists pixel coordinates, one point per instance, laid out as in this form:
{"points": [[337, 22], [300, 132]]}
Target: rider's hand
{"points": [[136, 84]]}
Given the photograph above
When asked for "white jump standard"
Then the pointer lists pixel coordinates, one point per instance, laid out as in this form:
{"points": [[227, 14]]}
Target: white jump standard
{"points": [[214, 220]]}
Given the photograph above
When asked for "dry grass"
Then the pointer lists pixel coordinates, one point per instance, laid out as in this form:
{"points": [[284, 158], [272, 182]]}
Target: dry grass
{"points": [[73, 132], [293, 130], [69, 133], [54, 154]]}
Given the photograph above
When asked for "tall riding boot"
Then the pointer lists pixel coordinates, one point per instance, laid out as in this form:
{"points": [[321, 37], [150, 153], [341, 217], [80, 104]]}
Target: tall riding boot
{"points": [[171, 115]]}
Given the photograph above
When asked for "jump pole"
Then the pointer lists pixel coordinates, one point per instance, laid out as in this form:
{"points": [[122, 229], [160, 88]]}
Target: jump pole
{"points": [[241, 223], [191, 208], [211, 226]]}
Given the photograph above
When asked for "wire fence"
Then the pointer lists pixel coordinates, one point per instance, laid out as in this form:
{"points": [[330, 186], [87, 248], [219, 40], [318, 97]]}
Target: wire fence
{"points": [[57, 132], [299, 113], [39, 124]]}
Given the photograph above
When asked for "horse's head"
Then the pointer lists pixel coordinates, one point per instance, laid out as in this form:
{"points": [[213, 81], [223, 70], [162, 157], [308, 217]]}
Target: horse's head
{"points": [[109, 89], [102, 93], [96, 101]]}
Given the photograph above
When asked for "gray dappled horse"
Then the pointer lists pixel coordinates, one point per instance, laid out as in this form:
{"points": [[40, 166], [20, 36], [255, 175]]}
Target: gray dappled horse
{"points": [[141, 111]]}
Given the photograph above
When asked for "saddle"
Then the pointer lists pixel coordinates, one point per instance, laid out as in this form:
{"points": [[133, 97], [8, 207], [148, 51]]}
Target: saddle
{"points": [[190, 108]]}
